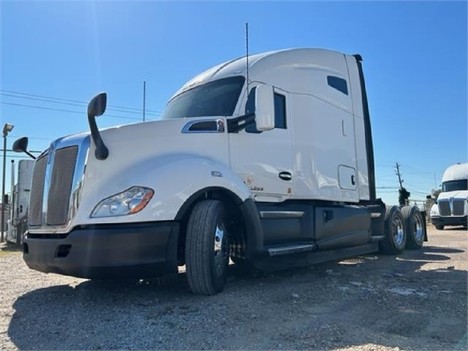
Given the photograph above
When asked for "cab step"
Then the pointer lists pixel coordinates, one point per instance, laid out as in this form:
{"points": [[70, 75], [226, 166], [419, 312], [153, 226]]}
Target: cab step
{"points": [[289, 249]]}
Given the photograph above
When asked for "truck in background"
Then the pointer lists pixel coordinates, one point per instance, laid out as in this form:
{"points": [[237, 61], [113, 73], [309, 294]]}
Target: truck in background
{"points": [[260, 157], [17, 224], [451, 207]]}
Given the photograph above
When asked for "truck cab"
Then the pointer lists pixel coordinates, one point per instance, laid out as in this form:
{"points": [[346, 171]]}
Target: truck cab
{"points": [[451, 208], [260, 156]]}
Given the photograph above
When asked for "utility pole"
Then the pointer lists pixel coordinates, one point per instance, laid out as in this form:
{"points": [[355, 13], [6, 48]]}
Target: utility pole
{"points": [[7, 128], [404, 194], [399, 175]]}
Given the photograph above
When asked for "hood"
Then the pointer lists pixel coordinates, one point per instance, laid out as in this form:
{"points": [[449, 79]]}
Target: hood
{"points": [[457, 194], [136, 149]]}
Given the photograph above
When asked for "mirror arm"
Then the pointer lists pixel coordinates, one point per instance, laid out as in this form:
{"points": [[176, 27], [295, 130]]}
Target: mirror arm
{"points": [[238, 123], [96, 107], [101, 152], [29, 154]]}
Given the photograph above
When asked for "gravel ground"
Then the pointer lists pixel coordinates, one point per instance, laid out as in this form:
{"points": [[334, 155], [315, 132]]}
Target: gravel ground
{"points": [[417, 301]]}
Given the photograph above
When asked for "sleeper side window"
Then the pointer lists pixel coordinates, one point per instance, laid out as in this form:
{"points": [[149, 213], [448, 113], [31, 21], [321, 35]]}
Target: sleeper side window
{"points": [[338, 83], [280, 111]]}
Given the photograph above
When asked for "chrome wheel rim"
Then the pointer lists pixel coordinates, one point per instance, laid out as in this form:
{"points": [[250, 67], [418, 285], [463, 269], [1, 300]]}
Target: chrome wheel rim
{"points": [[220, 249], [418, 229], [398, 231]]}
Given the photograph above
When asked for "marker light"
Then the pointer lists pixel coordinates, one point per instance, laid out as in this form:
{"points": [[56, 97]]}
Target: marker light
{"points": [[128, 202]]}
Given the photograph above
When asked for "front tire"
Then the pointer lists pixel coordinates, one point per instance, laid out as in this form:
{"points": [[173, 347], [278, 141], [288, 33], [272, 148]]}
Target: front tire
{"points": [[207, 248], [395, 233], [415, 228]]}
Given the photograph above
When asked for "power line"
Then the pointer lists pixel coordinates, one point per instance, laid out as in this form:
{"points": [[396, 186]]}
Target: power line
{"points": [[63, 110], [32, 138], [416, 169], [71, 102], [14, 152]]}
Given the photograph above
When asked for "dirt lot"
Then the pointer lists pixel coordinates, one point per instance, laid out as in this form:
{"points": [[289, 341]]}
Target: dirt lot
{"points": [[373, 302]]}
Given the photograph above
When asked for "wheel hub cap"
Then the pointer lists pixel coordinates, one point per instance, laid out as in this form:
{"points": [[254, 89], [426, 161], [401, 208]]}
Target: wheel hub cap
{"points": [[220, 251]]}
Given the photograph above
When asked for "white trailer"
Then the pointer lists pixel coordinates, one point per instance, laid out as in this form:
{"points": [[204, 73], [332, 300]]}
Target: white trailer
{"points": [[19, 202], [256, 158], [451, 208]]}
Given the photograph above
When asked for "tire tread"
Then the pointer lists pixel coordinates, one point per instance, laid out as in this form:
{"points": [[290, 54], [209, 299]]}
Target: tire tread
{"points": [[387, 245], [408, 212], [199, 246]]}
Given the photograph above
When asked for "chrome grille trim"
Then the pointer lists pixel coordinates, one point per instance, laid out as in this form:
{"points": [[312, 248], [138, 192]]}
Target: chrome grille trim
{"points": [[57, 183], [37, 191]]}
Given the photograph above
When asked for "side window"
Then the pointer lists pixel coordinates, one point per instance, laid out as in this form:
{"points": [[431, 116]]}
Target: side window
{"points": [[280, 111], [338, 83]]}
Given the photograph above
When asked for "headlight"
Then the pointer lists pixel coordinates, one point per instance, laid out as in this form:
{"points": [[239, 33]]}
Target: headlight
{"points": [[130, 201]]}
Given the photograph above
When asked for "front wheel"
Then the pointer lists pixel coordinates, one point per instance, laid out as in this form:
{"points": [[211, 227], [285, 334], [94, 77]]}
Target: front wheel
{"points": [[207, 248], [395, 234]]}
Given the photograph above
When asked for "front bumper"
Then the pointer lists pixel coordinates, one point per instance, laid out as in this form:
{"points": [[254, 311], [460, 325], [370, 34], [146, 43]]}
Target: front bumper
{"points": [[437, 220], [138, 250]]}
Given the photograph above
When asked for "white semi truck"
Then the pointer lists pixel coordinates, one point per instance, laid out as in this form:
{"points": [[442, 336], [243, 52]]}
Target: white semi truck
{"points": [[451, 208], [19, 205], [258, 157]]}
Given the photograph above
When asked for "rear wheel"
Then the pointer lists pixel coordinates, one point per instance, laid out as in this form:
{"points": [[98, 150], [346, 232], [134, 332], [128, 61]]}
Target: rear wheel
{"points": [[415, 228], [395, 233], [439, 226], [207, 248]]}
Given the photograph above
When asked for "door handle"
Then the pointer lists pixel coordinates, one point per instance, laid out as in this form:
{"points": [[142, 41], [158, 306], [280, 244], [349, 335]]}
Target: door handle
{"points": [[285, 176]]}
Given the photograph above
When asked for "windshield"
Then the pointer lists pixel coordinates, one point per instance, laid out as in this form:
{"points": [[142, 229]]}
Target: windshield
{"points": [[454, 185], [217, 98]]}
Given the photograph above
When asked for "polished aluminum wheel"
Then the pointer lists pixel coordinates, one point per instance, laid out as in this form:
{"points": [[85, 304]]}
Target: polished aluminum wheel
{"points": [[220, 248], [398, 231]]}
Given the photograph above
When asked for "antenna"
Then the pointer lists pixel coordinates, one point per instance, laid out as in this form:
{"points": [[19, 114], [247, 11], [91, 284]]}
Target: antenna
{"points": [[247, 53], [144, 99]]}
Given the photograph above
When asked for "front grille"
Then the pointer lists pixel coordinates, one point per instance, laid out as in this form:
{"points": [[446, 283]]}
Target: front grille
{"points": [[452, 207], [458, 207], [444, 208], [52, 187], [61, 185], [37, 192]]}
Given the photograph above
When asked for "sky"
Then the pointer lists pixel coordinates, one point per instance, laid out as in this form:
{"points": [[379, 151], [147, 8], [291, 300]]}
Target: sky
{"points": [[56, 55]]}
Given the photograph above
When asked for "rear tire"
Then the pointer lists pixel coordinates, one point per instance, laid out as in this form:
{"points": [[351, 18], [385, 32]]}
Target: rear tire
{"points": [[395, 234], [415, 228], [207, 248], [439, 226]]}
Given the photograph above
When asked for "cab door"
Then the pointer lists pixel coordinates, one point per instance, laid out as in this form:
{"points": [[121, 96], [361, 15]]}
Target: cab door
{"points": [[264, 159]]}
